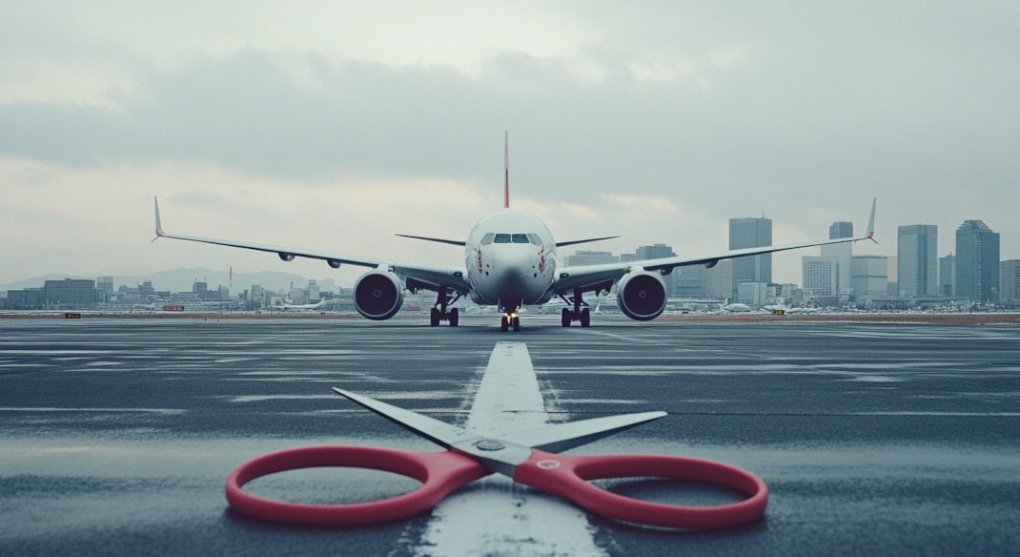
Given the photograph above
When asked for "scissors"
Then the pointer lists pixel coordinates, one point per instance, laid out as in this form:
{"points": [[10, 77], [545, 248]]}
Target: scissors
{"points": [[528, 457]]}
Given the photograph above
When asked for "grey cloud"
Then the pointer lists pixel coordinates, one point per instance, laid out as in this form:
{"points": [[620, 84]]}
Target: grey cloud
{"points": [[857, 108]]}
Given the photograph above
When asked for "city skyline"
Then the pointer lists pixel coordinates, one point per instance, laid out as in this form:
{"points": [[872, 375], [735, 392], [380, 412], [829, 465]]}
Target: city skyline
{"points": [[335, 126], [660, 249]]}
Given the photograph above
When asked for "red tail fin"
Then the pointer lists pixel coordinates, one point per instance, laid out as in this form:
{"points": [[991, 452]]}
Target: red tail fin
{"points": [[506, 169]]}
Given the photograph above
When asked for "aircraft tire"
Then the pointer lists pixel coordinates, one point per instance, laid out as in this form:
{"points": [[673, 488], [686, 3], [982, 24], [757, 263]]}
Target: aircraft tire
{"points": [[517, 324], [504, 324], [585, 317], [454, 317], [434, 317], [565, 317]]}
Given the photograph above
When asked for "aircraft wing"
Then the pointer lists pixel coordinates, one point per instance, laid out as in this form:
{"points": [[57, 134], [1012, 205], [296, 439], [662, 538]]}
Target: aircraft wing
{"points": [[601, 277], [428, 277]]}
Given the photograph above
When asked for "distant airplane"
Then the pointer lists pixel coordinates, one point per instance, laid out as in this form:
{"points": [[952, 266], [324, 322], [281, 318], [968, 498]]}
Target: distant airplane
{"points": [[285, 306], [510, 262], [736, 308]]}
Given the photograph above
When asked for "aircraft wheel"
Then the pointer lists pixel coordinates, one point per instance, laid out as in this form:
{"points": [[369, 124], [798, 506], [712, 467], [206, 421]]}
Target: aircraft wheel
{"points": [[434, 317], [585, 318], [565, 317], [517, 324], [454, 317], [504, 324]]}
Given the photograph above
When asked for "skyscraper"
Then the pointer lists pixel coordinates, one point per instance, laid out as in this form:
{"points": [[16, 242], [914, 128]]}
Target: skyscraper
{"points": [[843, 253], [947, 276], [1009, 282], [977, 262], [751, 233], [917, 266]]}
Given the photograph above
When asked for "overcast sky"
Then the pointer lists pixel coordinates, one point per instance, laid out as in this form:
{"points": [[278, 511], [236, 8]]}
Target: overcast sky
{"points": [[333, 125]]}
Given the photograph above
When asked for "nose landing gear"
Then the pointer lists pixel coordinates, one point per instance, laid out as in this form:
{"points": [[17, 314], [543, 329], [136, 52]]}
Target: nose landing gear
{"points": [[510, 320]]}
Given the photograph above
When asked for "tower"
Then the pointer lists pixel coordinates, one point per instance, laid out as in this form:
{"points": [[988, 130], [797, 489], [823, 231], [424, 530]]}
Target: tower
{"points": [[751, 233], [843, 254], [977, 262], [917, 260]]}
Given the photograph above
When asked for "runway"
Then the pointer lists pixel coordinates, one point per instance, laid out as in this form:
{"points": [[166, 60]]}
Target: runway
{"points": [[116, 435]]}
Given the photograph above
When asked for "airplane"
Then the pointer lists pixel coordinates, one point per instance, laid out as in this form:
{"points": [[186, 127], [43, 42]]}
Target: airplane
{"points": [[736, 308], [285, 306], [510, 261]]}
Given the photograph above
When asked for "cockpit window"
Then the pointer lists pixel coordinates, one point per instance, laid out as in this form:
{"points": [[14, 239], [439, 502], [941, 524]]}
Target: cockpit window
{"points": [[514, 238]]}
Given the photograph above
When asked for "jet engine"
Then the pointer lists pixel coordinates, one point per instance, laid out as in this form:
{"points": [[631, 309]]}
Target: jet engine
{"points": [[378, 295], [641, 295]]}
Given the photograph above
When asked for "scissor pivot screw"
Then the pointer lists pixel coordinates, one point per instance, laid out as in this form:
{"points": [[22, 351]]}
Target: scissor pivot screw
{"points": [[490, 445]]}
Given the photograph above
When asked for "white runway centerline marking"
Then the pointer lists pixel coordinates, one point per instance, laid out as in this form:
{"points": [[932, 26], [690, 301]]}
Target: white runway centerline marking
{"points": [[494, 516]]}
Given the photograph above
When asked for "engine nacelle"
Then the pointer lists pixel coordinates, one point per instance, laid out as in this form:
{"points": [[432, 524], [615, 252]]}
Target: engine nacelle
{"points": [[641, 295], [378, 295]]}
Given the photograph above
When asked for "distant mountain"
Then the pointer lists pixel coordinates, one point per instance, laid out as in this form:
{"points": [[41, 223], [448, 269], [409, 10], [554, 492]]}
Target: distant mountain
{"points": [[181, 280]]}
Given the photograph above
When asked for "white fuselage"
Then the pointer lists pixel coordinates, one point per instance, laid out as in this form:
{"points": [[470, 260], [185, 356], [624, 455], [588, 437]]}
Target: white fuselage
{"points": [[511, 260]]}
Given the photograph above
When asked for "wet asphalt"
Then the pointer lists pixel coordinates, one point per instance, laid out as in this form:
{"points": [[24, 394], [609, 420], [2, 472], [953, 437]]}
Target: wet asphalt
{"points": [[116, 435]]}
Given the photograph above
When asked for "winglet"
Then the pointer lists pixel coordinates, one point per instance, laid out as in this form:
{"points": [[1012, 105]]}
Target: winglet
{"points": [[506, 169], [871, 222], [159, 225]]}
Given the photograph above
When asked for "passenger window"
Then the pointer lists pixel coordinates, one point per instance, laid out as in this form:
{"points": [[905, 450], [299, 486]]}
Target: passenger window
{"points": [[502, 238], [487, 239], [521, 239]]}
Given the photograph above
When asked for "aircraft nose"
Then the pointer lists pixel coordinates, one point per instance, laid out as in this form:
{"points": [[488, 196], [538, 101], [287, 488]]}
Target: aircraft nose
{"points": [[514, 268], [517, 262]]}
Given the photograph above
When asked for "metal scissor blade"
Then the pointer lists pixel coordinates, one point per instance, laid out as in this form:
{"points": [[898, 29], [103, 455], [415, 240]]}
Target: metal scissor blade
{"points": [[560, 437], [432, 429]]}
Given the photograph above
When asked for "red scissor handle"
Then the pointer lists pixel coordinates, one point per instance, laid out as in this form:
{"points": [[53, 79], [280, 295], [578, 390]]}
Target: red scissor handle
{"points": [[568, 475], [440, 473]]}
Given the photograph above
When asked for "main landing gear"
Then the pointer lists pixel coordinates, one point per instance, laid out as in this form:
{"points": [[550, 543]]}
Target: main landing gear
{"points": [[439, 313], [582, 315]]}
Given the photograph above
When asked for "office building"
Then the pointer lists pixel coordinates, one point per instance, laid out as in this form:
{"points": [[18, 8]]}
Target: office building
{"points": [[105, 285], [720, 281], [28, 298], [70, 293], [843, 254], [589, 257], [691, 281], [947, 276], [751, 233], [892, 269], [1009, 282], [917, 269], [977, 263], [820, 276], [753, 293], [869, 275]]}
